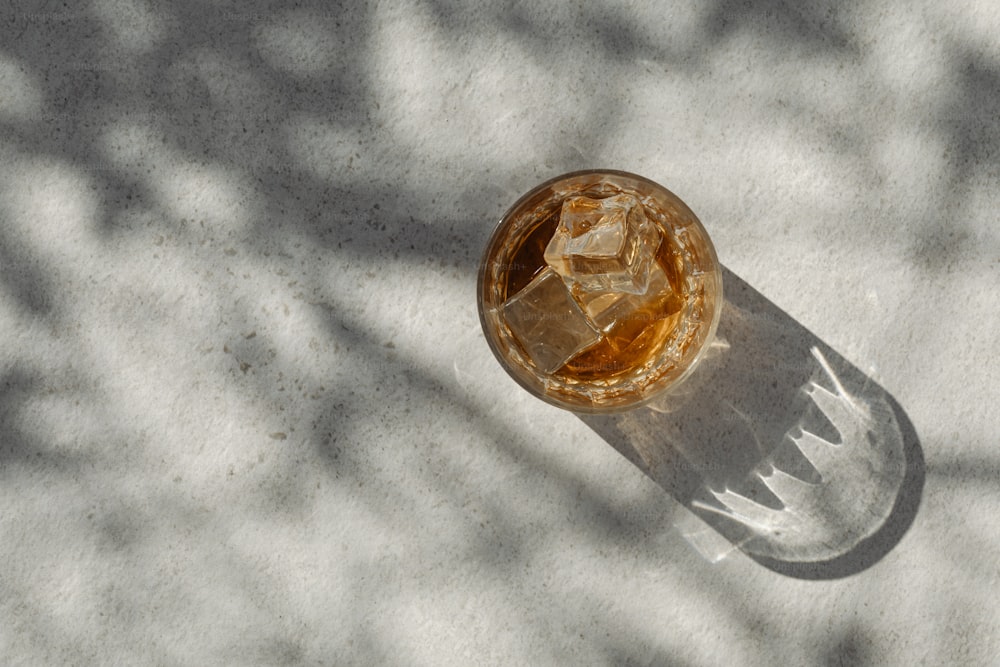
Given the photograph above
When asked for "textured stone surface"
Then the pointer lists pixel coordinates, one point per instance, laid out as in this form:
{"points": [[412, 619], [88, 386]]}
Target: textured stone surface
{"points": [[246, 413]]}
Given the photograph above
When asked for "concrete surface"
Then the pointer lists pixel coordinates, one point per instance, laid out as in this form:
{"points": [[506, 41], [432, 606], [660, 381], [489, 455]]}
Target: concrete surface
{"points": [[246, 413]]}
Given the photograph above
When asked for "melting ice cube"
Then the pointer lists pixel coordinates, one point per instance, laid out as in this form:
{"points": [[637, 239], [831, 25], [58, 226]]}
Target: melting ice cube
{"points": [[548, 322], [605, 251], [604, 244], [606, 308]]}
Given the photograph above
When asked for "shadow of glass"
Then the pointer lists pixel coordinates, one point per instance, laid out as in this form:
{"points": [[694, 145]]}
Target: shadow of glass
{"points": [[780, 445]]}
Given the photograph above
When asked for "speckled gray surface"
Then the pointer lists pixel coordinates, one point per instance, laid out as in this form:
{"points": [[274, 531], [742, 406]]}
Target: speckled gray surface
{"points": [[246, 412]]}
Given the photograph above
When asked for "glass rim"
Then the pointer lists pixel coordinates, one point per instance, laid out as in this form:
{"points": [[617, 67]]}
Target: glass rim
{"points": [[520, 375]]}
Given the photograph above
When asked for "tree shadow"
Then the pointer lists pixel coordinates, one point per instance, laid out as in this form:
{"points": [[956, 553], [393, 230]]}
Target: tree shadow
{"points": [[350, 214], [782, 446], [815, 26]]}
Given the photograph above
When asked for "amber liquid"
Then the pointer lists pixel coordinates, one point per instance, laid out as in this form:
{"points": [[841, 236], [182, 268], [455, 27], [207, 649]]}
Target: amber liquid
{"points": [[634, 340]]}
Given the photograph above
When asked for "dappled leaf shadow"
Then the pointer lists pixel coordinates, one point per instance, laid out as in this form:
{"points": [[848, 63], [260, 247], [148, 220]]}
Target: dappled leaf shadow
{"points": [[256, 461]]}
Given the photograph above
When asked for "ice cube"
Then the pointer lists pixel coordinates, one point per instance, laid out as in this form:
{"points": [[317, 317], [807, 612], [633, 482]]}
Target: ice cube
{"points": [[605, 308], [604, 244], [548, 322]]}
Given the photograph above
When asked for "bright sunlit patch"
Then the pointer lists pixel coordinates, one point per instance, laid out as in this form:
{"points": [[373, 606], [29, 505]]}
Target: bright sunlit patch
{"points": [[65, 421], [798, 171], [914, 165], [906, 52], [201, 197], [430, 302], [62, 584], [52, 208], [299, 42], [973, 23], [448, 100], [979, 207], [204, 195], [21, 98], [134, 24], [126, 144]]}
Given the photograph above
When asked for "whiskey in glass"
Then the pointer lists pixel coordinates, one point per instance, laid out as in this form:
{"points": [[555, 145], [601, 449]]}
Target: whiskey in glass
{"points": [[599, 290]]}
